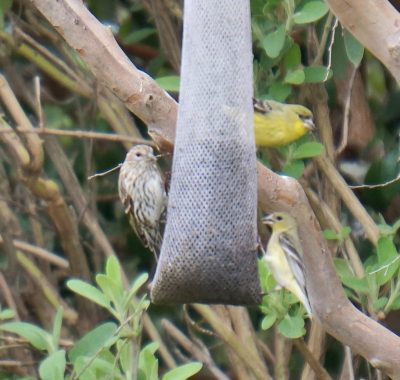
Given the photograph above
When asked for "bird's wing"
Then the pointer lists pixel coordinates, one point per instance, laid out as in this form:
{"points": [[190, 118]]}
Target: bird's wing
{"points": [[261, 106], [294, 257], [123, 194], [150, 236]]}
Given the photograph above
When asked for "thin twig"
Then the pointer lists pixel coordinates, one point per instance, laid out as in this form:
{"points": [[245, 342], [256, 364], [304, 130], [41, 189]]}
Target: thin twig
{"points": [[33, 142], [193, 324], [154, 335], [348, 197], [115, 168], [81, 134], [335, 24], [196, 349], [283, 350], [324, 212], [320, 371], [231, 339], [41, 253], [348, 362], [379, 185], [265, 350], [316, 344], [346, 116], [39, 110], [8, 296], [46, 288], [324, 38], [16, 363]]}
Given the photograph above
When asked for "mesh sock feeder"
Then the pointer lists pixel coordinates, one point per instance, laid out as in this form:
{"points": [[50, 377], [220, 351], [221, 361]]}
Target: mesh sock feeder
{"points": [[209, 251]]}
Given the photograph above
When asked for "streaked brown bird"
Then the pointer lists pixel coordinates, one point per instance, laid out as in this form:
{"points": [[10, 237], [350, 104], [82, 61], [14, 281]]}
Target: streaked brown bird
{"points": [[142, 192]]}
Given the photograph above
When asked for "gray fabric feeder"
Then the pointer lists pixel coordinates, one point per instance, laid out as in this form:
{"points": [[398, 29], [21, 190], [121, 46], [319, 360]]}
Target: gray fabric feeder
{"points": [[209, 249]]}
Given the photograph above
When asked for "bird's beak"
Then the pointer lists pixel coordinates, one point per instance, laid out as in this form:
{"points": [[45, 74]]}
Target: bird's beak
{"points": [[309, 123], [158, 156], [267, 219]]}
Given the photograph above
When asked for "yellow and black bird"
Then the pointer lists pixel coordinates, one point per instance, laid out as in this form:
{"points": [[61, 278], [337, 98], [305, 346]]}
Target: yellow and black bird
{"points": [[278, 124], [284, 256]]}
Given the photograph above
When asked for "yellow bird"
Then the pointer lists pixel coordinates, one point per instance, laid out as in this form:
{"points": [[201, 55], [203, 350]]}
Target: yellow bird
{"points": [[284, 256], [278, 124]]}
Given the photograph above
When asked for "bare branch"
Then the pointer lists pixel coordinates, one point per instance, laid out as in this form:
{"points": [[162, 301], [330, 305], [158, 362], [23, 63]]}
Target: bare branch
{"points": [[363, 20], [40, 252], [80, 135], [96, 45]]}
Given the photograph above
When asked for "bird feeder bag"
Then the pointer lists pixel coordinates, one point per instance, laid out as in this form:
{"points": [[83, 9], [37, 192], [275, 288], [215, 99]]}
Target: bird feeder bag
{"points": [[209, 250]]}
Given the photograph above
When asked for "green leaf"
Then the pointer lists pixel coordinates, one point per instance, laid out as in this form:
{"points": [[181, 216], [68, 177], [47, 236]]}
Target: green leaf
{"points": [[292, 327], [340, 61], [7, 314], [380, 303], [124, 354], [111, 290], [316, 74], [308, 150], [268, 320], [169, 83], [139, 35], [360, 285], [57, 323], [148, 364], [280, 91], [388, 261], [53, 367], [292, 58], [288, 298], [103, 367], [137, 284], [91, 342], [36, 336], [330, 234], [113, 270], [88, 291], [183, 372], [294, 168], [384, 272], [386, 249], [310, 11], [295, 77], [342, 267], [354, 50], [396, 226], [274, 42], [396, 304], [345, 231], [267, 281], [5, 5]]}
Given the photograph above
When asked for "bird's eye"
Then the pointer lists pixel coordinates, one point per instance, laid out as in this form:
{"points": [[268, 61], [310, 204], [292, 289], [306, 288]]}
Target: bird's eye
{"points": [[279, 218], [138, 154]]}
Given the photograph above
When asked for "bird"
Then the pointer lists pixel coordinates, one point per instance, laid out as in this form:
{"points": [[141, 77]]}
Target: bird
{"points": [[284, 256], [141, 190], [278, 124]]}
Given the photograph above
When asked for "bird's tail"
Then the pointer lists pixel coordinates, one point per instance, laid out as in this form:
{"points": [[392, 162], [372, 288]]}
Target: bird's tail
{"points": [[154, 240], [303, 298]]}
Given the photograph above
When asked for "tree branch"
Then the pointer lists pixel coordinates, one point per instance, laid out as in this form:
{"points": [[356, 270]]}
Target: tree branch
{"points": [[96, 45], [364, 19], [142, 96]]}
